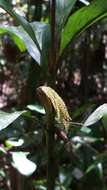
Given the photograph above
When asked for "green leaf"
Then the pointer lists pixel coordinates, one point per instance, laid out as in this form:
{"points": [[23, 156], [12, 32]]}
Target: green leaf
{"points": [[12, 142], [65, 176], [45, 48], [16, 38], [7, 118], [82, 19], [99, 168], [63, 9], [22, 164], [37, 108], [85, 130], [21, 20], [104, 121], [98, 114], [84, 2], [23, 40], [42, 32], [101, 158]]}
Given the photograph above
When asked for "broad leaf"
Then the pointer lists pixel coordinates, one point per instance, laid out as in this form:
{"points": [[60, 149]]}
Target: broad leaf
{"points": [[12, 31], [22, 164], [63, 9], [98, 114], [21, 20], [7, 118], [23, 40], [45, 49], [42, 32], [22, 35], [81, 20]]}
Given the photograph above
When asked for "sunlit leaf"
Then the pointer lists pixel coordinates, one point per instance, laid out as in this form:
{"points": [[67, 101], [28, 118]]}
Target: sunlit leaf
{"points": [[7, 118], [24, 41], [96, 115], [14, 36], [21, 20], [82, 19], [3, 150], [85, 2], [42, 32], [85, 129], [13, 143], [37, 108], [22, 164]]}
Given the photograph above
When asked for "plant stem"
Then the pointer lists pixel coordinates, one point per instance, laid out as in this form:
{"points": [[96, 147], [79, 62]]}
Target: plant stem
{"points": [[53, 36], [50, 138], [51, 165]]}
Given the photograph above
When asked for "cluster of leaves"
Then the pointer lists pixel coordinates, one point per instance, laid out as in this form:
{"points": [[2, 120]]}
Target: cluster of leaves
{"points": [[32, 36], [77, 164]]}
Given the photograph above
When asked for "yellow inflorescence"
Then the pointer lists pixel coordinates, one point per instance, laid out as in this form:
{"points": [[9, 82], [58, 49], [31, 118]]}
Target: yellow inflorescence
{"points": [[58, 104]]}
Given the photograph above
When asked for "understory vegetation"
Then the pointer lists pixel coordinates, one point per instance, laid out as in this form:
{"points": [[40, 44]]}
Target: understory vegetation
{"points": [[53, 94]]}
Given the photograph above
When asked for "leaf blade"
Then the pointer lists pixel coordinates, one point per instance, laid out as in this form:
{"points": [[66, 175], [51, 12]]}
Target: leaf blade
{"points": [[17, 40], [63, 9], [81, 20], [7, 118], [22, 164], [21, 20], [24, 41], [98, 114]]}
